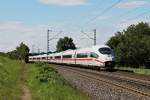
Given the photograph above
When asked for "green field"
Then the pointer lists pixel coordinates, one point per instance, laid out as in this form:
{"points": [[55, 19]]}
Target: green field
{"points": [[9, 79], [46, 84], [135, 70], [42, 80]]}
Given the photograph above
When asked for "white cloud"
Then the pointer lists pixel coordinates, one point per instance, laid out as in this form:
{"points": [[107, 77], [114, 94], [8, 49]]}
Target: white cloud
{"points": [[132, 4], [125, 24], [63, 2], [17, 27], [10, 26], [14, 32]]}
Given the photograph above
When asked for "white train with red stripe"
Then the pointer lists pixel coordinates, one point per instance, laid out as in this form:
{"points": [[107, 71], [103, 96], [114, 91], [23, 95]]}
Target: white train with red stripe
{"points": [[100, 56]]}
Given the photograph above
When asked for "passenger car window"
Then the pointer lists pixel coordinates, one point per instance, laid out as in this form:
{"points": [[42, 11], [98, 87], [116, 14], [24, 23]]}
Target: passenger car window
{"points": [[67, 56], [82, 55], [93, 55], [57, 57]]}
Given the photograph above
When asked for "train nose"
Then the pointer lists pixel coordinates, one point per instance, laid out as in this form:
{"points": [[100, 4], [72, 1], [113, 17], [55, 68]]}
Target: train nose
{"points": [[109, 64], [109, 59]]}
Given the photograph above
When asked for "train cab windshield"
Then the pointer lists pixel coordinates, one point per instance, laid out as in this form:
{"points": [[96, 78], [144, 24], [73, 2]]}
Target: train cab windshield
{"points": [[106, 51]]}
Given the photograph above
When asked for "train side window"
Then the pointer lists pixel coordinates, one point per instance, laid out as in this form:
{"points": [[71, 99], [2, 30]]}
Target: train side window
{"points": [[43, 58], [67, 56], [57, 57], [93, 55], [82, 55]]}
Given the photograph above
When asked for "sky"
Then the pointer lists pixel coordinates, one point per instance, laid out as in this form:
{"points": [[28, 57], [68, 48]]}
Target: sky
{"points": [[28, 21]]}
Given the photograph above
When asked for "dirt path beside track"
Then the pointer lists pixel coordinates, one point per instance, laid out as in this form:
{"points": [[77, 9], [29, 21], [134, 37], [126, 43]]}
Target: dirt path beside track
{"points": [[26, 94]]}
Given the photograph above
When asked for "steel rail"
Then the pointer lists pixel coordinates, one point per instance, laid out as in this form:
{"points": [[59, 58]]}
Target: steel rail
{"points": [[98, 79], [123, 78]]}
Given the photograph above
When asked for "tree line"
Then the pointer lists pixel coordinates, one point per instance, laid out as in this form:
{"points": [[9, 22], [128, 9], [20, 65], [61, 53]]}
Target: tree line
{"points": [[63, 44], [20, 53], [132, 46]]}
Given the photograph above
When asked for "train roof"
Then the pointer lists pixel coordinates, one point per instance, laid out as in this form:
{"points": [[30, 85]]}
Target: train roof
{"points": [[93, 48], [70, 51], [43, 55]]}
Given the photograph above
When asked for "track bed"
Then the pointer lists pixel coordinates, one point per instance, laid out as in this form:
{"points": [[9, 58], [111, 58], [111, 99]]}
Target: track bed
{"points": [[115, 85]]}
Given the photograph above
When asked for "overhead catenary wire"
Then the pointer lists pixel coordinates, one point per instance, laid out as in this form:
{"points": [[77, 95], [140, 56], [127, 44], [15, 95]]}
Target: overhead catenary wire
{"points": [[86, 35], [49, 39], [135, 17], [109, 8], [92, 9], [103, 12], [55, 36], [123, 15]]}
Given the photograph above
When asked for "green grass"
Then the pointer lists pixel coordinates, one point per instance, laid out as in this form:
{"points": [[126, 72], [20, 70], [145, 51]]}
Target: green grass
{"points": [[135, 70], [43, 81], [46, 84], [9, 79]]}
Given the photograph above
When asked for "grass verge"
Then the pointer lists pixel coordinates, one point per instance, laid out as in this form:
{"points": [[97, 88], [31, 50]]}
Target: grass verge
{"points": [[9, 79], [135, 70], [46, 84]]}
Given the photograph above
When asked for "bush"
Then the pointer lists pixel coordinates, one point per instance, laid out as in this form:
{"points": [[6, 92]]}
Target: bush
{"points": [[46, 73]]}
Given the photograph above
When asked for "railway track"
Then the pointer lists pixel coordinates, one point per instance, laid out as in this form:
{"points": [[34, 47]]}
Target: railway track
{"points": [[135, 86]]}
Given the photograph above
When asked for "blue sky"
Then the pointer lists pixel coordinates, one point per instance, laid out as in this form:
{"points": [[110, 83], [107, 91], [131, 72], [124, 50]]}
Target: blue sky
{"points": [[28, 20]]}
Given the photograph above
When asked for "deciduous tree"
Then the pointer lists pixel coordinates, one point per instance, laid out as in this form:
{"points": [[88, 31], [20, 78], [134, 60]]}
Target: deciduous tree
{"points": [[65, 44], [132, 46]]}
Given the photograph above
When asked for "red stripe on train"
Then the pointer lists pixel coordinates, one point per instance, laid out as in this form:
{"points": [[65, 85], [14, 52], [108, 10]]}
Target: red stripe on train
{"points": [[84, 59]]}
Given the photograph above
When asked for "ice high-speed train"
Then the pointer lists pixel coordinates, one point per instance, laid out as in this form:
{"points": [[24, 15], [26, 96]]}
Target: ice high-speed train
{"points": [[100, 56]]}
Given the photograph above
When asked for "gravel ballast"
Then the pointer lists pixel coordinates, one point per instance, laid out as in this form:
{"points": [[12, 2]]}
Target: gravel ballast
{"points": [[97, 90]]}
